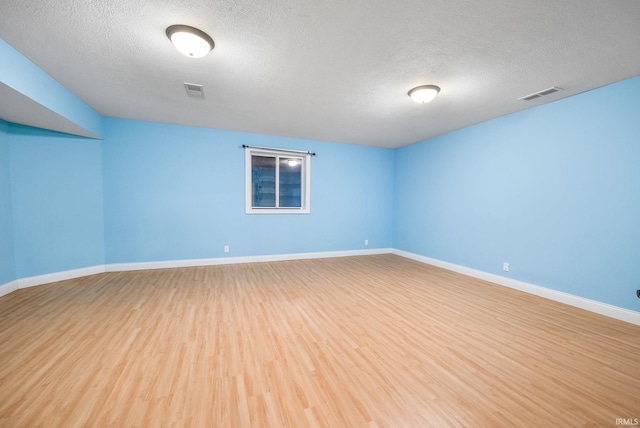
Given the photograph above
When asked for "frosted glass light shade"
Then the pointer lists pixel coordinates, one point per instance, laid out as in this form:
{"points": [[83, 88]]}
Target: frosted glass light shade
{"points": [[190, 41], [424, 94]]}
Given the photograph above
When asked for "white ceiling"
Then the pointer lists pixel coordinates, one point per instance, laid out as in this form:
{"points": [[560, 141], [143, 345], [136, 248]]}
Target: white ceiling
{"points": [[335, 70]]}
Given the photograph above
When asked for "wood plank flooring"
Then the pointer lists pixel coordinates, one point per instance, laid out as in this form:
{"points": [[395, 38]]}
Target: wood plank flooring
{"points": [[377, 341]]}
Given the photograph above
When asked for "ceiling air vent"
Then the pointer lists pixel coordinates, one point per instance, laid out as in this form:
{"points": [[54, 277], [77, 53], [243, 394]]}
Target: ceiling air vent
{"points": [[540, 94], [194, 90]]}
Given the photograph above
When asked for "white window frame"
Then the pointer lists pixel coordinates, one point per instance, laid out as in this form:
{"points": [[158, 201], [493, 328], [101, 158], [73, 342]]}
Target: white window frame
{"points": [[305, 201]]}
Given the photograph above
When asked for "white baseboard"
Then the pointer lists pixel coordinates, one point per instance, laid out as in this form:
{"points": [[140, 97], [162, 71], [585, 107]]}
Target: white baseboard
{"points": [[8, 288], [611, 311], [58, 276], [121, 267], [569, 299]]}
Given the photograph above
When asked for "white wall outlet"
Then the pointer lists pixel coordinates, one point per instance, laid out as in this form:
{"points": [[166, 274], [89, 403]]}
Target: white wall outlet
{"points": [[505, 267], [226, 248], [366, 242]]}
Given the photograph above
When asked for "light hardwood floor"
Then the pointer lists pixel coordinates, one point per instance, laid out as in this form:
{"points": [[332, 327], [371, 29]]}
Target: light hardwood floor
{"points": [[376, 341]]}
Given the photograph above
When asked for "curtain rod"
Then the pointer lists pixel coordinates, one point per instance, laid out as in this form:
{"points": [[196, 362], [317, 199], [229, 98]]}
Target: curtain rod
{"points": [[245, 146]]}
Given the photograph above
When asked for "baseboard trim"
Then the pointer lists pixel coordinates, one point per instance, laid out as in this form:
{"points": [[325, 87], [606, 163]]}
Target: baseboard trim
{"points": [[169, 264], [9, 287], [616, 312], [59, 276], [558, 296]]}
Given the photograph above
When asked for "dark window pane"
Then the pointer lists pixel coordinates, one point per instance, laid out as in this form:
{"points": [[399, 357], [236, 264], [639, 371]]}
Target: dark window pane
{"points": [[290, 183], [263, 181]]}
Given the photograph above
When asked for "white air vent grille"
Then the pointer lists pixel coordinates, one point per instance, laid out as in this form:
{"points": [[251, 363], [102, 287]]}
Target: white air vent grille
{"points": [[194, 90], [540, 94]]}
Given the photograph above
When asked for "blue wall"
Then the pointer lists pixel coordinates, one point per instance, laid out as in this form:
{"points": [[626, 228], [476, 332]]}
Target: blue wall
{"points": [[176, 192], [7, 272], [553, 190], [57, 204]]}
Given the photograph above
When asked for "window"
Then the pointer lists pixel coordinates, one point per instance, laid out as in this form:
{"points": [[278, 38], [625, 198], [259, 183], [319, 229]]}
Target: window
{"points": [[277, 181]]}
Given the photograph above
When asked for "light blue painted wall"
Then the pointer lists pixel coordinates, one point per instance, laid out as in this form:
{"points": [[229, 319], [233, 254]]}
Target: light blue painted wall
{"points": [[23, 76], [553, 190], [7, 271], [57, 201], [176, 192]]}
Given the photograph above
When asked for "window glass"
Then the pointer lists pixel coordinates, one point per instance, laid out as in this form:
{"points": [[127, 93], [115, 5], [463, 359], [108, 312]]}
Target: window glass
{"points": [[290, 183], [263, 181]]}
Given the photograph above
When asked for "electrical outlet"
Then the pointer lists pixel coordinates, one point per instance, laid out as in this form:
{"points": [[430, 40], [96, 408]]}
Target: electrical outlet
{"points": [[366, 242], [226, 248], [505, 267]]}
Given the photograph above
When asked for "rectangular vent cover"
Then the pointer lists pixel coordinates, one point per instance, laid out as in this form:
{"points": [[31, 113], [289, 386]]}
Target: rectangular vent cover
{"points": [[194, 90], [541, 93]]}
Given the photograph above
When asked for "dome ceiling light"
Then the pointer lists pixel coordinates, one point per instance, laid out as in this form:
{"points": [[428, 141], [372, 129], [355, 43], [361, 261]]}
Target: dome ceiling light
{"points": [[424, 94], [190, 41]]}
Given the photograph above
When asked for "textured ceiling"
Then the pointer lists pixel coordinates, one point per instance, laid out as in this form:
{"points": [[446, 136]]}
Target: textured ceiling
{"points": [[327, 70]]}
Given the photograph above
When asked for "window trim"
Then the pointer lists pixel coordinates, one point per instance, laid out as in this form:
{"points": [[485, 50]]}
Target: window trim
{"points": [[305, 178]]}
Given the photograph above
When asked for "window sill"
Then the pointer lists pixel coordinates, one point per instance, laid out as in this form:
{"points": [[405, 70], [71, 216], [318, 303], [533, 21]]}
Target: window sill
{"points": [[277, 211]]}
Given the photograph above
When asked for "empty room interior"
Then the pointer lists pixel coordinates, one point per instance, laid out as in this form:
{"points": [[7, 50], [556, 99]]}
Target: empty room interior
{"points": [[319, 214]]}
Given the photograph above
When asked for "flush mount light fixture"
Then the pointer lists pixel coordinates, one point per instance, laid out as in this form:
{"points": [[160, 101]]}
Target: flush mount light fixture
{"points": [[190, 41], [424, 94]]}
